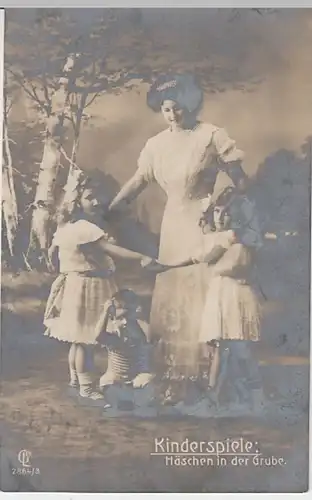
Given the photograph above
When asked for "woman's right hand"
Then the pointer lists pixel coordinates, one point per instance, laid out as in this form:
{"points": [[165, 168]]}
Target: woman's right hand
{"points": [[206, 222]]}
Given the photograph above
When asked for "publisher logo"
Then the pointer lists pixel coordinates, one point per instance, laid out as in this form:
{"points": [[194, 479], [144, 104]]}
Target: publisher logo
{"points": [[24, 458], [26, 469]]}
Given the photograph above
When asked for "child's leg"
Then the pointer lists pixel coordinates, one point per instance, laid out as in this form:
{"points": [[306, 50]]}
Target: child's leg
{"points": [[254, 381], [72, 366], [237, 373], [247, 363], [217, 369], [221, 371], [249, 376], [84, 361]]}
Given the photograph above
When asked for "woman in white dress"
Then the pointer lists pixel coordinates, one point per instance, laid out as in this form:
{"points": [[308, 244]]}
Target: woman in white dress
{"points": [[184, 159], [85, 283]]}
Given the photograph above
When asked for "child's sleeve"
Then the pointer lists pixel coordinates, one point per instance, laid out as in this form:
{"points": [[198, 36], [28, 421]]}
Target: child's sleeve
{"points": [[84, 232], [77, 233], [236, 259], [214, 255], [214, 246]]}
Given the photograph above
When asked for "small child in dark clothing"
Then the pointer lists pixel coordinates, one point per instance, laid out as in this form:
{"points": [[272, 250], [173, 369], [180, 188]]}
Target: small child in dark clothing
{"points": [[128, 349]]}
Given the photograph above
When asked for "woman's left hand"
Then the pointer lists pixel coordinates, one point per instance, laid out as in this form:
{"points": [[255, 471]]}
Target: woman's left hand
{"points": [[206, 222]]}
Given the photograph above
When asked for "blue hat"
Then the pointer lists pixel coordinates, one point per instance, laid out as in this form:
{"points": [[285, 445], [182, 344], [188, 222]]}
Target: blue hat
{"points": [[181, 88]]}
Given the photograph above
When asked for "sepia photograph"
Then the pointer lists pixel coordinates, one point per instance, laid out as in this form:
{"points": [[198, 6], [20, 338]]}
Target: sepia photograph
{"points": [[156, 240]]}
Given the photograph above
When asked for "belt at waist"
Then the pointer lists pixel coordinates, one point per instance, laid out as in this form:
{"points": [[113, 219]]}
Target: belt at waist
{"points": [[92, 273]]}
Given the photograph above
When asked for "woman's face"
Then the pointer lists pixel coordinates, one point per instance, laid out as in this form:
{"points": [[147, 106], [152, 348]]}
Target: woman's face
{"points": [[173, 113]]}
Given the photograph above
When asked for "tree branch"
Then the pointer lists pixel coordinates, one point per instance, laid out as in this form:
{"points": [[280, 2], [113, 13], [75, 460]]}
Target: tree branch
{"points": [[92, 100], [10, 197], [22, 83], [93, 73], [7, 106], [33, 88], [45, 91], [73, 119], [71, 162]]}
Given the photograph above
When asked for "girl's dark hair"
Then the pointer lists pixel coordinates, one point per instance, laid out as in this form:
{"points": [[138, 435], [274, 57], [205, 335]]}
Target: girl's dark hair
{"points": [[222, 201], [225, 196], [126, 297], [181, 88], [128, 300]]}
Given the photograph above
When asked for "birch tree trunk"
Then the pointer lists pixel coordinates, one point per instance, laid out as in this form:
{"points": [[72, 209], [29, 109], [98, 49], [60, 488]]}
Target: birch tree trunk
{"points": [[75, 174], [45, 193], [9, 204]]}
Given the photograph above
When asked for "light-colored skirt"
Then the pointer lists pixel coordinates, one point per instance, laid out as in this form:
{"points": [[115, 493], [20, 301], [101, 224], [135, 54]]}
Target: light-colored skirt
{"points": [[75, 305], [179, 294], [177, 306], [232, 311]]}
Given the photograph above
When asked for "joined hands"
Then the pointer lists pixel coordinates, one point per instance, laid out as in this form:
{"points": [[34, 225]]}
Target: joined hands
{"points": [[153, 265]]}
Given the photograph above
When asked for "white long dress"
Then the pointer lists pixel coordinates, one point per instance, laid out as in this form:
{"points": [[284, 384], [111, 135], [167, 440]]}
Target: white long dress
{"points": [[185, 164]]}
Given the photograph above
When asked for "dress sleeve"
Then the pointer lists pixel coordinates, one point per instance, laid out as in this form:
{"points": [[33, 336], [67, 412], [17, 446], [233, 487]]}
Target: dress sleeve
{"points": [[145, 164], [55, 239], [214, 245], [230, 157], [235, 261], [225, 146], [83, 232]]}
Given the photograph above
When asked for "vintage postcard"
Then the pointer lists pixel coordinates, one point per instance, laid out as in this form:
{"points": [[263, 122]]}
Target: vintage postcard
{"points": [[155, 308]]}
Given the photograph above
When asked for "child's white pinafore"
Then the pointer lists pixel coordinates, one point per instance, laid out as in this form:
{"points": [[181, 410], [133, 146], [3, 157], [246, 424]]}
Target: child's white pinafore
{"points": [[78, 294]]}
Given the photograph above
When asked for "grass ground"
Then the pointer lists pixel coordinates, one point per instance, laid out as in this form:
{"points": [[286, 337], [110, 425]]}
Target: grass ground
{"points": [[76, 449]]}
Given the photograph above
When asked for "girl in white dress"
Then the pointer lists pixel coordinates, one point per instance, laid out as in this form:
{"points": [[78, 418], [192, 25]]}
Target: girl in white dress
{"points": [[232, 312], [85, 283], [184, 159], [231, 315]]}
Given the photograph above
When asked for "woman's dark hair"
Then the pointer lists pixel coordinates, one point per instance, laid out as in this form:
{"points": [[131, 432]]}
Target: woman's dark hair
{"points": [[181, 88]]}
